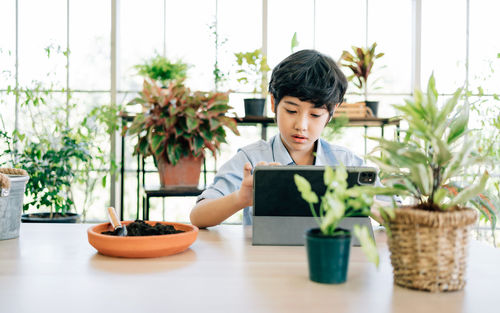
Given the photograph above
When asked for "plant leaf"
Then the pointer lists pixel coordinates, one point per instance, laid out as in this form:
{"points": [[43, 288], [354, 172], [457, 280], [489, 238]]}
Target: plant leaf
{"points": [[459, 125], [470, 192], [328, 176], [156, 141], [304, 188], [192, 123], [367, 244]]}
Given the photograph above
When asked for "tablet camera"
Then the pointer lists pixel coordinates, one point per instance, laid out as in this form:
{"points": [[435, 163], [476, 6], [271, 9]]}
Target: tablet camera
{"points": [[366, 178]]}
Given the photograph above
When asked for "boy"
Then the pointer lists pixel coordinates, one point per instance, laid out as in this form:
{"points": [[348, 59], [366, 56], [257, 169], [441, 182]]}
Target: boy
{"points": [[305, 89]]}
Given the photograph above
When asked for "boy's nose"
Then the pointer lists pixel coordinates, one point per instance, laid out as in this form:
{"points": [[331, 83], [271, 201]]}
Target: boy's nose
{"points": [[301, 122]]}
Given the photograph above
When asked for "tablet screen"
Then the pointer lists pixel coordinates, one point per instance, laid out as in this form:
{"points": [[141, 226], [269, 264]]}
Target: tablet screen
{"points": [[275, 192]]}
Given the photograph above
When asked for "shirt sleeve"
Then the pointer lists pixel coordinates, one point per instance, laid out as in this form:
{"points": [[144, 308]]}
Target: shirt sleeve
{"points": [[228, 178]]}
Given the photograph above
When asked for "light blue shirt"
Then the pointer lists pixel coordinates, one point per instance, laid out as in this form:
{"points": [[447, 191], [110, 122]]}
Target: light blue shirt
{"points": [[230, 175]]}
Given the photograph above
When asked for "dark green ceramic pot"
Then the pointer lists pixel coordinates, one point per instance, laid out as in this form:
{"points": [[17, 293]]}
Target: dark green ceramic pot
{"points": [[254, 107], [328, 256]]}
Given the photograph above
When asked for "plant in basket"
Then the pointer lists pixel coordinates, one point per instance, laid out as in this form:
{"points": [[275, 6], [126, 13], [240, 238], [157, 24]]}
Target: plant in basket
{"points": [[428, 240], [361, 62], [176, 126], [328, 246]]}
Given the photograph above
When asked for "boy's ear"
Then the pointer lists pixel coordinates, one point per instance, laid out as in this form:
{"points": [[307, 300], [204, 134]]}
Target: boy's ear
{"points": [[273, 108], [333, 112], [335, 109]]}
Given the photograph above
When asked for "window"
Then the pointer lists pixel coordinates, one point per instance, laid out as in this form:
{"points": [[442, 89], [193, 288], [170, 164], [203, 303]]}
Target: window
{"points": [[181, 30], [444, 44]]}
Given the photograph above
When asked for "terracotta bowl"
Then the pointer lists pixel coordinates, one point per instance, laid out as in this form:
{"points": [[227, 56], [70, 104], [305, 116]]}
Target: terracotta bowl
{"points": [[142, 246]]}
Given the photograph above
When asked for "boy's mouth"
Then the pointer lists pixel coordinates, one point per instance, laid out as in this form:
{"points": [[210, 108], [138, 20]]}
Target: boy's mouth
{"points": [[299, 138]]}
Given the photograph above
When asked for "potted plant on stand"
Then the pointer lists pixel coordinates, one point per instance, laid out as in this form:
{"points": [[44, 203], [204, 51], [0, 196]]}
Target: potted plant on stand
{"points": [[253, 69], [162, 69], [360, 62], [428, 241], [328, 246], [176, 126]]}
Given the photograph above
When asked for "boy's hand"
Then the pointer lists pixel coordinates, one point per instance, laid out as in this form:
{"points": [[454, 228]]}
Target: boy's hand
{"points": [[245, 194]]}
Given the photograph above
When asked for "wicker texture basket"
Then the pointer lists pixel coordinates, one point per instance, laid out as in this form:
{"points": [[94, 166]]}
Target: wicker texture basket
{"points": [[353, 110], [429, 249]]}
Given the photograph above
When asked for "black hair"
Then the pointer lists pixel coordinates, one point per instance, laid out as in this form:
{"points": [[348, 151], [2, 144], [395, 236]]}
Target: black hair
{"points": [[310, 76]]}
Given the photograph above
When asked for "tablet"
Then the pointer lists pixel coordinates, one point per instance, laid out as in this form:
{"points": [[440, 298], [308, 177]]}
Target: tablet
{"points": [[281, 216]]}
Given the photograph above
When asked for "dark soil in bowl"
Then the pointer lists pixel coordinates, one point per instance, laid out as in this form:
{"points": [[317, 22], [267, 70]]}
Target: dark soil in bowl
{"points": [[141, 228]]}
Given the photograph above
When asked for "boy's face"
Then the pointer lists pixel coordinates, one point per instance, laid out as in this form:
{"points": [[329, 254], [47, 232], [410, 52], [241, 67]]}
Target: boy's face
{"points": [[300, 123]]}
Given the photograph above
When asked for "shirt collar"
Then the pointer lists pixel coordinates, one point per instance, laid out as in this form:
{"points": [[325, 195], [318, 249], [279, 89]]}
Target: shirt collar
{"points": [[320, 154], [280, 153], [282, 156]]}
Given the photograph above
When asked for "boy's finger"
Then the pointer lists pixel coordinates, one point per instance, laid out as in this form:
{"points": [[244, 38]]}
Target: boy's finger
{"points": [[247, 170], [261, 163], [275, 163]]}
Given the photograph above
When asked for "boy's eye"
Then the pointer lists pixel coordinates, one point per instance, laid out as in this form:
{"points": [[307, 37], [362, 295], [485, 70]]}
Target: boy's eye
{"points": [[317, 114], [290, 111]]}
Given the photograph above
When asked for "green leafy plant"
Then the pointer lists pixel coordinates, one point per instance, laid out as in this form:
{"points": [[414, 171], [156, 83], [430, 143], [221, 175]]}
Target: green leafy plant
{"points": [[162, 69], [52, 170], [340, 202], [360, 62], [51, 166], [9, 154], [95, 129], [434, 156], [334, 129], [486, 109], [253, 69], [55, 154], [177, 122]]}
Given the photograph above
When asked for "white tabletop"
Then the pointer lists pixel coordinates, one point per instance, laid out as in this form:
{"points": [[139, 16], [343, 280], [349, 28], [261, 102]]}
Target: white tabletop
{"points": [[53, 268]]}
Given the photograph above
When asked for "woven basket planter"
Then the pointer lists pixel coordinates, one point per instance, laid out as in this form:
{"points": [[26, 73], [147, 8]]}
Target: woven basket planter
{"points": [[429, 249]]}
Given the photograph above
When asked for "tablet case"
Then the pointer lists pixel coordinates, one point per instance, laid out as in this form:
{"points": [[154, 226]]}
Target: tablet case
{"points": [[281, 216]]}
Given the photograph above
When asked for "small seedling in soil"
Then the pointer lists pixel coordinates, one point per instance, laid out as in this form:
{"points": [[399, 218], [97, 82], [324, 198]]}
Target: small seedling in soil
{"points": [[141, 228]]}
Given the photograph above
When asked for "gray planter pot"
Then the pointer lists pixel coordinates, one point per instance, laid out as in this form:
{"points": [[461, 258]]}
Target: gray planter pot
{"points": [[11, 207]]}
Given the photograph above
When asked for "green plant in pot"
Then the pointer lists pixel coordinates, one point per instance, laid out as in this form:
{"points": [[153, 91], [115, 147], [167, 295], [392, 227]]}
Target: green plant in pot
{"points": [[51, 164], [429, 238], [328, 246], [162, 69], [361, 62], [176, 126], [51, 148], [253, 69]]}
